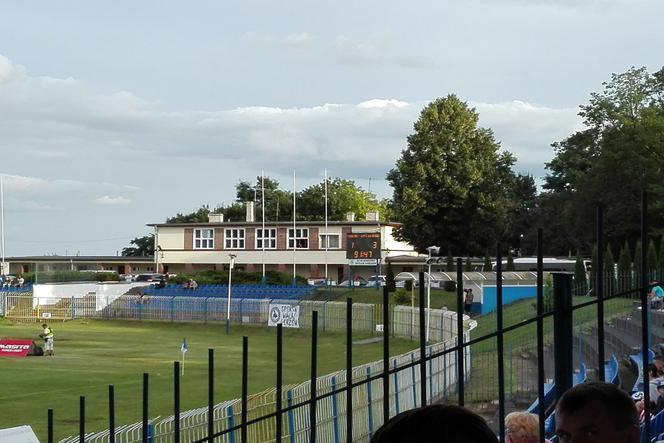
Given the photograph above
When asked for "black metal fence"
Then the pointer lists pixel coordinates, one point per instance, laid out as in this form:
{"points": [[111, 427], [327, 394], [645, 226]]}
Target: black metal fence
{"points": [[563, 341]]}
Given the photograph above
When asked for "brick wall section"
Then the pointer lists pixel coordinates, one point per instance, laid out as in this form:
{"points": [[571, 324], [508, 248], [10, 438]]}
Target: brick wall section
{"points": [[250, 239], [314, 271], [281, 267], [313, 238], [218, 239], [282, 235], [344, 235], [188, 239], [249, 267]]}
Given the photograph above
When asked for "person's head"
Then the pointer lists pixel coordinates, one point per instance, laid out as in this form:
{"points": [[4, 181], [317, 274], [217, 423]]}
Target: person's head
{"points": [[444, 423], [597, 412], [658, 361], [44, 325], [660, 388], [521, 427], [652, 370]]}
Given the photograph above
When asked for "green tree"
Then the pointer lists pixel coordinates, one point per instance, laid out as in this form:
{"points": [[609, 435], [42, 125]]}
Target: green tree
{"points": [[452, 184], [143, 246], [468, 266], [449, 263], [609, 271], [625, 269], [200, 215], [486, 267], [636, 280], [619, 154], [660, 261], [510, 262], [580, 278], [652, 259], [343, 196]]}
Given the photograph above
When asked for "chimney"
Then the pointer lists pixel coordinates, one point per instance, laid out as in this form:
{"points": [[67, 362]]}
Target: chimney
{"points": [[350, 216], [215, 218], [372, 216], [250, 211]]}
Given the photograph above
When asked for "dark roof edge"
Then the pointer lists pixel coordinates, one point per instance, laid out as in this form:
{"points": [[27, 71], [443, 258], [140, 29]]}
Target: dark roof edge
{"points": [[279, 223]]}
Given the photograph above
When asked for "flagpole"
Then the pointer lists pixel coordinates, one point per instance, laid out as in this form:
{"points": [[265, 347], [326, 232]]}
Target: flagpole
{"points": [[263, 206], [327, 236], [2, 220], [294, 230]]}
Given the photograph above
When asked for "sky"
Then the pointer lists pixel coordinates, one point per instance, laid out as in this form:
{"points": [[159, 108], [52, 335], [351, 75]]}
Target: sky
{"points": [[118, 114]]}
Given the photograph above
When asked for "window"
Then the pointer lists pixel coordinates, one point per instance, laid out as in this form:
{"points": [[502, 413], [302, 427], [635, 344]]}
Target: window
{"points": [[332, 241], [234, 238], [203, 238], [270, 238], [300, 237]]}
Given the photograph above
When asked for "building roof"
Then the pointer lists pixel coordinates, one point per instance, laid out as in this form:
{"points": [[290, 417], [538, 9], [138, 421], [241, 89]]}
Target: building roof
{"points": [[81, 258], [278, 223]]}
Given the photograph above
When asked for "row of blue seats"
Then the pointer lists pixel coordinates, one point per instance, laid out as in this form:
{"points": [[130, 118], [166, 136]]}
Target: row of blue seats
{"points": [[25, 288], [637, 359], [234, 293]]}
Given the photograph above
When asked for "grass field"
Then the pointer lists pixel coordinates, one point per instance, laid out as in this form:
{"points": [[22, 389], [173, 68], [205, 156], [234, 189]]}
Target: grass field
{"points": [[91, 354], [439, 298]]}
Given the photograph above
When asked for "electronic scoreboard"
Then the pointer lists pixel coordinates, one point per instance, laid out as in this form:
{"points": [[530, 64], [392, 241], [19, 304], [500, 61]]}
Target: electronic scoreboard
{"points": [[363, 246]]}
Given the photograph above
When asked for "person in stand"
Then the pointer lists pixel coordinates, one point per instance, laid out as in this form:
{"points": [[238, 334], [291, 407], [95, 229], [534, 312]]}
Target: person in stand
{"points": [[597, 412], [193, 284], [468, 301], [47, 335], [656, 295], [522, 427], [435, 423], [20, 281], [162, 283], [186, 284]]}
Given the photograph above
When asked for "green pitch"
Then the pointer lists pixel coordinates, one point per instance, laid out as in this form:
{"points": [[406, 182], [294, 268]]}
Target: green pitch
{"points": [[90, 355]]}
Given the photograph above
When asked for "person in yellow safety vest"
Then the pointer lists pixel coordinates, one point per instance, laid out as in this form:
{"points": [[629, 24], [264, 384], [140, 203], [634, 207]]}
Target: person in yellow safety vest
{"points": [[47, 335]]}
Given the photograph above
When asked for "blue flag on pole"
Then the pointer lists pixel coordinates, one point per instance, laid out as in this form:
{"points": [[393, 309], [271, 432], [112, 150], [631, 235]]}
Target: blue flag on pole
{"points": [[183, 348]]}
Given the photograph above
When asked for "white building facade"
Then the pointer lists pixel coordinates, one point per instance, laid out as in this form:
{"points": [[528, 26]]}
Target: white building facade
{"points": [[275, 246]]}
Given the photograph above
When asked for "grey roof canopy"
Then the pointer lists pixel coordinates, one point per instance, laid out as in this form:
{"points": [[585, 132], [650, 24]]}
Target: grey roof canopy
{"points": [[468, 276]]}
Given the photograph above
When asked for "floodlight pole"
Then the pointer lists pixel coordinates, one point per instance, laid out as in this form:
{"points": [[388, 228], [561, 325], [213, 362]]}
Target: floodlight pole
{"points": [[228, 304], [430, 249]]}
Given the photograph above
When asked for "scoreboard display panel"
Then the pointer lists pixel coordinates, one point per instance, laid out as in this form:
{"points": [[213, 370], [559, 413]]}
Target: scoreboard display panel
{"points": [[363, 245]]}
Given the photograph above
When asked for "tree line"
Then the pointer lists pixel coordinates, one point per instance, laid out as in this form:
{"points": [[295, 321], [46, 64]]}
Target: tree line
{"points": [[454, 186]]}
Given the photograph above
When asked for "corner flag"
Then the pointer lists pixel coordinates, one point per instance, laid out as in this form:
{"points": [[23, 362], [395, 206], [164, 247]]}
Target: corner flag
{"points": [[183, 349]]}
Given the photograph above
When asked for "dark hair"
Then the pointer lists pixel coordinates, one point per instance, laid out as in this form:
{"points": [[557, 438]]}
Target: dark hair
{"points": [[440, 423], [652, 369], [618, 403]]}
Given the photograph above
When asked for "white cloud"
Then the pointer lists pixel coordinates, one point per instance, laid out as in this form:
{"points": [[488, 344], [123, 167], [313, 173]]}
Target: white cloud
{"points": [[300, 40], [375, 50], [108, 200], [82, 154]]}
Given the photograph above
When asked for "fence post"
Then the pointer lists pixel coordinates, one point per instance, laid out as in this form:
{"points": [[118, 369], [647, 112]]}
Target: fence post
{"points": [[562, 332], [72, 308], [335, 411], [369, 401]]}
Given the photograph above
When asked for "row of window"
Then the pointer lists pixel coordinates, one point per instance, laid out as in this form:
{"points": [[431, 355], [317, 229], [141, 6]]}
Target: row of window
{"points": [[234, 238]]}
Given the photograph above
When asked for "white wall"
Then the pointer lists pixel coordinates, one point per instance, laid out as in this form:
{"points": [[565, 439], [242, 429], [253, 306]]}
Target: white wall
{"points": [[51, 293]]}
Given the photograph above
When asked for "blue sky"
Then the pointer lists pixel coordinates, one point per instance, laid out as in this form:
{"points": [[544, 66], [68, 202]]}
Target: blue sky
{"points": [[114, 115]]}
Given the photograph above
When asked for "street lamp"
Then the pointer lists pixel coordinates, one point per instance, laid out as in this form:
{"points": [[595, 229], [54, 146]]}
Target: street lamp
{"points": [[431, 250], [228, 304]]}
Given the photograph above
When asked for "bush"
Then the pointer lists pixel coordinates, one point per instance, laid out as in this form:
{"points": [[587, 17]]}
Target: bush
{"points": [[215, 277], [402, 297], [71, 276]]}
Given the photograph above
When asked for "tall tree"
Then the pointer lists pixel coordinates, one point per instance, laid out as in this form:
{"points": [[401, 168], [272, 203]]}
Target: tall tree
{"points": [[620, 153], [625, 269], [580, 278], [343, 196], [609, 271], [143, 246], [652, 259], [452, 184]]}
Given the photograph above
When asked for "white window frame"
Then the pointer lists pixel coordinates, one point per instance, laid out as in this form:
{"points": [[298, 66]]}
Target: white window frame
{"points": [[271, 239], [234, 238], [301, 238], [321, 241], [201, 241]]}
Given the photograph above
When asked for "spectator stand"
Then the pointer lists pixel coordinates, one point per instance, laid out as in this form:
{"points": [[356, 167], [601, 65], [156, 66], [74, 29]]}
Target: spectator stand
{"points": [[637, 360]]}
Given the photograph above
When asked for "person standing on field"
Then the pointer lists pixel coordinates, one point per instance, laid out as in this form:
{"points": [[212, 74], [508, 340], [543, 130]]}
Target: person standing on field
{"points": [[47, 335]]}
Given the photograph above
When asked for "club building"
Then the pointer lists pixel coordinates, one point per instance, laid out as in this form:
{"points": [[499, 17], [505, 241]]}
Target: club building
{"points": [[280, 246]]}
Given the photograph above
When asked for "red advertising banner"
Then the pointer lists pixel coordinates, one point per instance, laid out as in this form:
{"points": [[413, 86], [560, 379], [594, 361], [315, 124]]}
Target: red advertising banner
{"points": [[15, 348]]}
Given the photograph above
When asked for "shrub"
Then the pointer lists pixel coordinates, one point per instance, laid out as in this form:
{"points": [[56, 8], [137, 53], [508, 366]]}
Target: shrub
{"points": [[449, 286], [402, 297]]}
